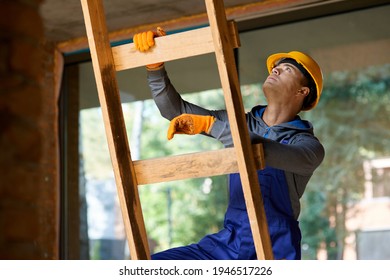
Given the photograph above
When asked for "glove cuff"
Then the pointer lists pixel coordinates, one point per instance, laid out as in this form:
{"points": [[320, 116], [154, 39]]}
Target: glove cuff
{"points": [[210, 125], [155, 67]]}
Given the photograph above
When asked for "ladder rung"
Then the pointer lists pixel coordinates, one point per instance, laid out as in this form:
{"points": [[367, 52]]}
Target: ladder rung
{"points": [[193, 165], [175, 46]]}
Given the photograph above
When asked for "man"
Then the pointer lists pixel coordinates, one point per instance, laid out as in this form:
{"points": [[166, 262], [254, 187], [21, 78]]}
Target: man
{"points": [[292, 153]]}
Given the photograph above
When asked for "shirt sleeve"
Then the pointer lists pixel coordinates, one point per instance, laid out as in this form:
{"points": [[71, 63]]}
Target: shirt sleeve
{"points": [[171, 104], [168, 100], [302, 156]]}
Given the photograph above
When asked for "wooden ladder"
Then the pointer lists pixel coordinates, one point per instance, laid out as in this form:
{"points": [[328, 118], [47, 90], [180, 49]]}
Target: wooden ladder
{"points": [[220, 37]]}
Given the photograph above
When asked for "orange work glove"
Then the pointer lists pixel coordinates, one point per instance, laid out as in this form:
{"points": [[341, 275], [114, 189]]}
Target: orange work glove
{"points": [[145, 40], [190, 124]]}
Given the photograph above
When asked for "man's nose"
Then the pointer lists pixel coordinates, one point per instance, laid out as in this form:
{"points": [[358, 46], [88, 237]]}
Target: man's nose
{"points": [[275, 71]]}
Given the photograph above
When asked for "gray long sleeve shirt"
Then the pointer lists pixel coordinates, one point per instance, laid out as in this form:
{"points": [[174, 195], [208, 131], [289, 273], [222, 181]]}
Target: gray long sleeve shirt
{"points": [[291, 147]]}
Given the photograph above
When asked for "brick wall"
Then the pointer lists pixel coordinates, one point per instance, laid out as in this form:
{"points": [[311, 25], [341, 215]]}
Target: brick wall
{"points": [[29, 184]]}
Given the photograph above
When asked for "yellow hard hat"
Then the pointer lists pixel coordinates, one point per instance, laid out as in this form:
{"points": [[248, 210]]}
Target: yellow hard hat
{"points": [[308, 63]]}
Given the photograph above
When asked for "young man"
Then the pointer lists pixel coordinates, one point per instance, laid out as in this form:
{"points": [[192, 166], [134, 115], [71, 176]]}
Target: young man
{"points": [[292, 153]]}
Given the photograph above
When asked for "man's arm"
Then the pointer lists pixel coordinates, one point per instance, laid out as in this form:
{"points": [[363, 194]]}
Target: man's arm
{"points": [[171, 105], [302, 156], [168, 100]]}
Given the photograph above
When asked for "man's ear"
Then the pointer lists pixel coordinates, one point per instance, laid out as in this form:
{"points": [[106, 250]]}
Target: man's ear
{"points": [[304, 91]]}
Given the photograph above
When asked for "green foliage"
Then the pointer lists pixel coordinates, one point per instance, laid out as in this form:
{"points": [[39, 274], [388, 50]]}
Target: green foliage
{"points": [[181, 212]]}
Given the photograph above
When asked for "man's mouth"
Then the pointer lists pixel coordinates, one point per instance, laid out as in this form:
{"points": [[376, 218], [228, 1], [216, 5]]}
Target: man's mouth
{"points": [[273, 78]]}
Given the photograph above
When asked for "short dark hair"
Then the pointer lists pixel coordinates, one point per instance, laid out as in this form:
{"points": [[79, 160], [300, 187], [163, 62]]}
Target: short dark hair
{"points": [[311, 97]]}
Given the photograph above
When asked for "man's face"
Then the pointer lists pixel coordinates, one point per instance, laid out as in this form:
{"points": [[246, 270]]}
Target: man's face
{"points": [[283, 82]]}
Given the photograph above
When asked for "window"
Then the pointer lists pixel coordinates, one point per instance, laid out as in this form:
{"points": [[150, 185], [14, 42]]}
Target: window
{"points": [[351, 121]]}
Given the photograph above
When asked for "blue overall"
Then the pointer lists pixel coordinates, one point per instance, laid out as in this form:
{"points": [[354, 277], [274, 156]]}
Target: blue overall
{"points": [[235, 241]]}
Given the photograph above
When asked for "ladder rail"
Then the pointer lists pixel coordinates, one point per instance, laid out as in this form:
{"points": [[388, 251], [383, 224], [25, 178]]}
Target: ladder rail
{"points": [[108, 91], [239, 129]]}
